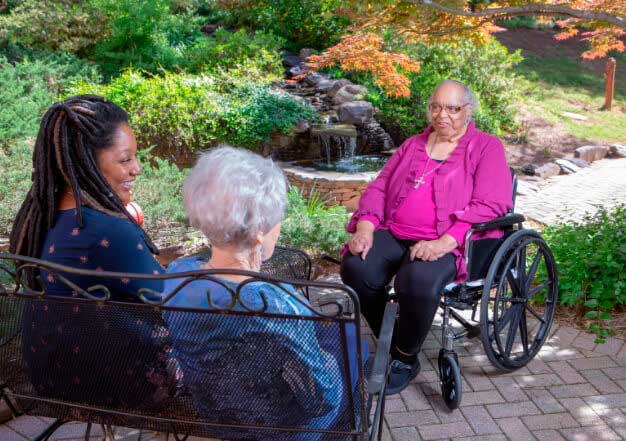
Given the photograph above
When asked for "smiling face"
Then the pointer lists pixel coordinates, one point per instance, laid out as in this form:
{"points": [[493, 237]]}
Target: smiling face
{"points": [[449, 110], [118, 163]]}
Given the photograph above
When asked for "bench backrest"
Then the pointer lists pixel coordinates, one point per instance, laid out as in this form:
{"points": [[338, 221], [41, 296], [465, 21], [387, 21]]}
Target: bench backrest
{"points": [[239, 369]]}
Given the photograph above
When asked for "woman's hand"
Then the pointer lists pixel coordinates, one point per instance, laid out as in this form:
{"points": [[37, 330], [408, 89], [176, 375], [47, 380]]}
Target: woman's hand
{"points": [[430, 250], [362, 239]]}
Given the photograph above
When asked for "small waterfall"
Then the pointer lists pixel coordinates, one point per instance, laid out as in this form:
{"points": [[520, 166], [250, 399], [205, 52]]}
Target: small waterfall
{"points": [[337, 141]]}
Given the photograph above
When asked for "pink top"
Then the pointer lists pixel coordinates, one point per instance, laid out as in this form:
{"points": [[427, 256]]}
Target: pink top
{"points": [[473, 185]]}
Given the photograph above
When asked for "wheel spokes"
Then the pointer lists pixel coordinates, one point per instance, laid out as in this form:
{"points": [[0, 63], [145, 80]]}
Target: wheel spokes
{"points": [[532, 271], [510, 338], [523, 330]]}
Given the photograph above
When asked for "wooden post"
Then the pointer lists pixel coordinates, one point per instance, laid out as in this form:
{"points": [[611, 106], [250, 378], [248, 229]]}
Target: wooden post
{"points": [[610, 83]]}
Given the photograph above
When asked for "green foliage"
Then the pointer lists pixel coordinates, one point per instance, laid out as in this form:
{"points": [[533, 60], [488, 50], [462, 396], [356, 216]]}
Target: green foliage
{"points": [[257, 56], [159, 192], [179, 111], [15, 169], [523, 22], [52, 25], [311, 226], [144, 35], [487, 70], [591, 259], [30, 87], [305, 23]]}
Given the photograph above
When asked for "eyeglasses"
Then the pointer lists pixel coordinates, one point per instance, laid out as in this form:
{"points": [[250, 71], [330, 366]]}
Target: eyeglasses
{"points": [[450, 110]]}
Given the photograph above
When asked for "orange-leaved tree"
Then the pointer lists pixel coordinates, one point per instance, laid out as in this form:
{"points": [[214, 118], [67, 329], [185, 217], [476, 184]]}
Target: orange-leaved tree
{"points": [[601, 22], [363, 52]]}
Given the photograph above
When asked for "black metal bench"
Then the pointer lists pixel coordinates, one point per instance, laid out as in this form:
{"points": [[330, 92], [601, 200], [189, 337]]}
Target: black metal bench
{"points": [[100, 378]]}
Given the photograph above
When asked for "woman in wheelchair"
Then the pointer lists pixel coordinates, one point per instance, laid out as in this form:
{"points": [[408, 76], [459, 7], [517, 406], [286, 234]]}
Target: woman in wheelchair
{"points": [[413, 218], [237, 199]]}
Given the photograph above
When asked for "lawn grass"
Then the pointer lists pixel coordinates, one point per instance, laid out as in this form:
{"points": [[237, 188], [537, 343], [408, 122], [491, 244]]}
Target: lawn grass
{"points": [[557, 85]]}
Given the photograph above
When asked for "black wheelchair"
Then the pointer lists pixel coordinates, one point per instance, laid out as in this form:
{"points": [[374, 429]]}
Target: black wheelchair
{"points": [[512, 285], [511, 292]]}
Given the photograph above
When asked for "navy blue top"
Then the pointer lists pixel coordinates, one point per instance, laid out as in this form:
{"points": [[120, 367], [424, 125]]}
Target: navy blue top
{"points": [[286, 366], [80, 351], [105, 243]]}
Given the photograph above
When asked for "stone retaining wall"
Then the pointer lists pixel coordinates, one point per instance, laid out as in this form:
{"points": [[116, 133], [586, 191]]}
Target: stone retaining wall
{"points": [[334, 188]]}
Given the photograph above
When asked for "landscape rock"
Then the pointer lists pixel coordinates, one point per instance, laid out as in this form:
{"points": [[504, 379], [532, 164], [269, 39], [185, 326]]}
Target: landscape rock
{"points": [[302, 126], [579, 162], [325, 85], [547, 170], [290, 60], [591, 153], [305, 52], [349, 92], [567, 167], [528, 169], [295, 71], [618, 150], [338, 85], [313, 79], [209, 29], [356, 112]]}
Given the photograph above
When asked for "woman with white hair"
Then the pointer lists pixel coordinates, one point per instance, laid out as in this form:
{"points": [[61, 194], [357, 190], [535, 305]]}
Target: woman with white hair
{"points": [[238, 199], [412, 220]]}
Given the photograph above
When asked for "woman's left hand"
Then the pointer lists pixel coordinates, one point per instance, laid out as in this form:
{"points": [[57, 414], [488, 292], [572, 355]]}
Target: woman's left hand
{"points": [[430, 250]]}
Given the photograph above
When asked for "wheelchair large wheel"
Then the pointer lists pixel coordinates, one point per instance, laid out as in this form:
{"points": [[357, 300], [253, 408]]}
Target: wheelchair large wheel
{"points": [[518, 301], [450, 378]]}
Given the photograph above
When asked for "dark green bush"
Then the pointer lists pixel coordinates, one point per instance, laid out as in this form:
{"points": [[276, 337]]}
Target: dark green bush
{"points": [[304, 23], [30, 87], [310, 226], [591, 260], [487, 70], [179, 112]]}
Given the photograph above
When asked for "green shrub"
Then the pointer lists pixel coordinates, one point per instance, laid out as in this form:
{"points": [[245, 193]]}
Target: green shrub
{"points": [[591, 260], [30, 87], [310, 226], [180, 111], [53, 25], [258, 55], [143, 34], [15, 168], [487, 70], [305, 23]]}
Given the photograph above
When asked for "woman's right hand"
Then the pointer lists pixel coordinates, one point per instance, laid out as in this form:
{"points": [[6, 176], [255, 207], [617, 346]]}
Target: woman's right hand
{"points": [[362, 239]]}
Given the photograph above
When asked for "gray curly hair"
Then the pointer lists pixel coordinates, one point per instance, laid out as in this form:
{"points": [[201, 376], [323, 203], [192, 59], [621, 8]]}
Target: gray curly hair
{"points": [[232, 195]]}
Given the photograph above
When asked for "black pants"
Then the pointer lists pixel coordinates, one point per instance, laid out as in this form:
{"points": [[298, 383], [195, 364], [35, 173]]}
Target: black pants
{"points": [[418, 285]]}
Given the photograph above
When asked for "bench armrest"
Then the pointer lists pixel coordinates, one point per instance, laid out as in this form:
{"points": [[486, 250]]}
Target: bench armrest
{"points": [[507, 220], [377, 380]]}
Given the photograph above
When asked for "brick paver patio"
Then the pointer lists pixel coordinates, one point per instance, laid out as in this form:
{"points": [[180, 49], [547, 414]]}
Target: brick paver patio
{"points": [[573, 390]]}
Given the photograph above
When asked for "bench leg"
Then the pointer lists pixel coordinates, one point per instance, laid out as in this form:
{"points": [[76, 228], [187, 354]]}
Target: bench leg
{"points": [[50, 430]]}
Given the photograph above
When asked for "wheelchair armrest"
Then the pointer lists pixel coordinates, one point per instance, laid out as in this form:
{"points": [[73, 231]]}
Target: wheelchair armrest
{"points": [[331, 259], [507, 220], [377, 380]]}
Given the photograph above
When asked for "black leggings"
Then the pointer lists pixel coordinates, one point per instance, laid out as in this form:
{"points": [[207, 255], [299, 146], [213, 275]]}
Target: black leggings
{"points": [[418, 285]]}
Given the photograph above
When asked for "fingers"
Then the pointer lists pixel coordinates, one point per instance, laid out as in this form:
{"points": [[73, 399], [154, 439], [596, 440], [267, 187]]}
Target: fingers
{"points": [[366, 250]]}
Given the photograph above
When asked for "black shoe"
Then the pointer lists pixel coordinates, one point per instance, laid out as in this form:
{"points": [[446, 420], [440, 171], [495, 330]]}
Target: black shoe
{"points": [[401, 375]]}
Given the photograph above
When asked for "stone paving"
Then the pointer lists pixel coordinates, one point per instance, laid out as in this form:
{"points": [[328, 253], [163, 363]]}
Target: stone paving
{"points": [[569, 197], [573, 390]]}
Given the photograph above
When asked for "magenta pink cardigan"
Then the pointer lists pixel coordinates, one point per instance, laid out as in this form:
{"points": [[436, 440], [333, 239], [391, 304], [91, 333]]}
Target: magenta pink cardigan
{"points": [[473, 185]]}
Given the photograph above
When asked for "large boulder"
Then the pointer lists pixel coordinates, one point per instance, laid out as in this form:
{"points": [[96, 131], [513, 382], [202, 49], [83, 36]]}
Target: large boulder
{"points": [[314, 78], [290, 60], [349, 92], [358, 113], [567, 166], [338, 85], [547, 170], [325, 85], [591, 153], [618, 150]]}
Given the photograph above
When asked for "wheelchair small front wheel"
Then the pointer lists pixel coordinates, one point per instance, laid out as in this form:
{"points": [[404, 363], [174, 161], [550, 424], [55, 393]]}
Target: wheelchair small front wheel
{"points": [[450, 379]]}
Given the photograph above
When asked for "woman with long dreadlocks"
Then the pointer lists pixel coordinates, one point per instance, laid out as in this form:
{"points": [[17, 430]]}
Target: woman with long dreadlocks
{"points": [[84, 169]]}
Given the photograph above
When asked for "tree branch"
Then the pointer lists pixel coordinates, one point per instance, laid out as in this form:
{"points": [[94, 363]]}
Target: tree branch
{"points": [[531, 9]]}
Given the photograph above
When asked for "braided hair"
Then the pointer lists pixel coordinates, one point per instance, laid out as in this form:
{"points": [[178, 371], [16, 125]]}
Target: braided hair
{"points": [[64, 160]]}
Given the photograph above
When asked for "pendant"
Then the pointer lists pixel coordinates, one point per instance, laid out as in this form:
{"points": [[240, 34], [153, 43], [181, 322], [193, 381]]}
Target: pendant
{"points": [[419, 181]]}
